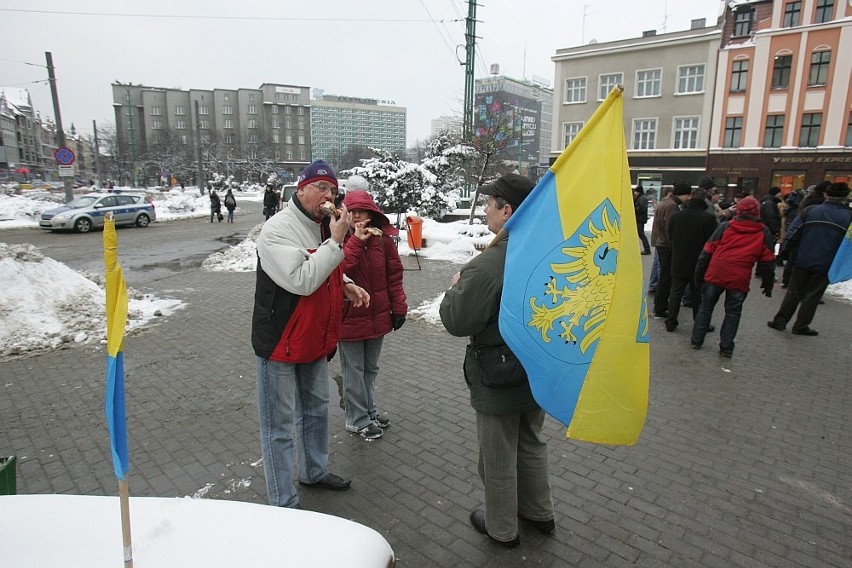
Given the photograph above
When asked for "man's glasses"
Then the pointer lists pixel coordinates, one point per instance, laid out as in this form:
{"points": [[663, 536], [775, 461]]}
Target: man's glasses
{"points": [[325, 188]]}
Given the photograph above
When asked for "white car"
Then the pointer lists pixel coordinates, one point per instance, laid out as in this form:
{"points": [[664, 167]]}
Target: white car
{"points": [[87, 212]]}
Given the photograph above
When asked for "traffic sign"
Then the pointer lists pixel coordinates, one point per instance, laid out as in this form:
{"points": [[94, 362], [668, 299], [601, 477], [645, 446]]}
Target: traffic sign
{"points": [[66, 171], [64, 156]]}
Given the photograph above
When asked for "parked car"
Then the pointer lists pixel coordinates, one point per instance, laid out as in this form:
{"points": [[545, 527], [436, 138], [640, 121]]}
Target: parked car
{"points": [[87, 212]]}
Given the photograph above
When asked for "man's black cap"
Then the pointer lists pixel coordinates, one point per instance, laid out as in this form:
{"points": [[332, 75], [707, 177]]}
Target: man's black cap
{"points": [[514, 188]]}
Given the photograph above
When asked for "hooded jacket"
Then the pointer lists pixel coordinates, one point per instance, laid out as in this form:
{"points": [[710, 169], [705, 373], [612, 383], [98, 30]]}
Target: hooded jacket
{"points": [[820, 230], [689, 229], [374, 265], [730, 254]]}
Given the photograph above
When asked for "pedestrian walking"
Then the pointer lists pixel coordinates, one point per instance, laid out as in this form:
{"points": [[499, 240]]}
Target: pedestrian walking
{"points": [[230, 204], [215, 206], [725, 265], [640, 206]]}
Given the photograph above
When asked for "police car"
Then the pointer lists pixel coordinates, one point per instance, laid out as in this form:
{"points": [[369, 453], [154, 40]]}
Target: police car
{"points": [[87, 212]]}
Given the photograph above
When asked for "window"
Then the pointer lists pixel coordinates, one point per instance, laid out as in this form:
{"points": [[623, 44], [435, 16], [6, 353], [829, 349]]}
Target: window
{"points": [[301, 138], [289, 154], [739, 76], [686, 132], [648, 83], [227, 109], [644, 133], [204, 124], [288, 138], [742, 22], [288, 110], [774, 131], [849, 131], [183, 139], [275, 108], [227, 97], [230, 138], [733, 131], [809, 135], [156, 125], [288, 123], [300, 124], [156, 111], [792, 11], [275, 138], [180, 110], [180, 124], [203, 109], [820, 61], [690, 79], [781, 71], [301, 111], [575, 90], [252, 138], [275, 123], [252, 109], [252, 123], [607, 82], [302, 155], [824, 11], [251, 97], [227, 123]]}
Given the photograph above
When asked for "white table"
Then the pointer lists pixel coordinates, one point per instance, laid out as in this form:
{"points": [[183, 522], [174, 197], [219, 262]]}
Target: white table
{"points": [[85, 531]]}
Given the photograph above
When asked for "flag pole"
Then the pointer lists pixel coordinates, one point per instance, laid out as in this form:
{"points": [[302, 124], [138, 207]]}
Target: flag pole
{"points": [[124, 499]]}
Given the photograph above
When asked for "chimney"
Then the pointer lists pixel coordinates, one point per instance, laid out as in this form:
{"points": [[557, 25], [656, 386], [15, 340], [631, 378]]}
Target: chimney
{"points": [[649, 33], [698, 24]]}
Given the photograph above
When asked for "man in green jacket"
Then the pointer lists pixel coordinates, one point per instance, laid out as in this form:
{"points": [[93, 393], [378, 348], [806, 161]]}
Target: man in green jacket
{"points": [[513, 460]]}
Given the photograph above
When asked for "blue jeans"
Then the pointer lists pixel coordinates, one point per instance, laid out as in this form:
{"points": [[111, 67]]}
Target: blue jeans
{"points": [[359, 361], [733, 310], [655, 272], [291, 396], [230, 215]]}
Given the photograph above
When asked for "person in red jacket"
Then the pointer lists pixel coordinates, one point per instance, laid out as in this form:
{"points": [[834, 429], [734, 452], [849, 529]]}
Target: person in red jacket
{"points": [[372, 262], [725, 265]]}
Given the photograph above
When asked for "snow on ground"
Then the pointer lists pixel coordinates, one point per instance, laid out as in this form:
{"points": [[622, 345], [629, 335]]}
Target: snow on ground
{"points": [[44, 304]]}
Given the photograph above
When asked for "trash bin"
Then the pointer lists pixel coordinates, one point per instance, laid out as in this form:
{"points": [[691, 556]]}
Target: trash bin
{"points": [[8, 485], [415, 231]]}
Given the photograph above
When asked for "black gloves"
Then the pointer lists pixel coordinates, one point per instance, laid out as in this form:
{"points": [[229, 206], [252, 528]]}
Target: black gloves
{"points": [[397, 321]]}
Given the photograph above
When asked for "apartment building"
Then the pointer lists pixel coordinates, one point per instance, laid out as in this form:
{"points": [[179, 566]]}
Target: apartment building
{"points": [[339, 124], [22, 148], [669, 81], [518, 111], [782, 114], [234, 127]]}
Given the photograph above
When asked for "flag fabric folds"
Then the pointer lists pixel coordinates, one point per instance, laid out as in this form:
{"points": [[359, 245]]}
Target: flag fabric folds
{"points": [[841, 267], [116, 316], [573, 308]]}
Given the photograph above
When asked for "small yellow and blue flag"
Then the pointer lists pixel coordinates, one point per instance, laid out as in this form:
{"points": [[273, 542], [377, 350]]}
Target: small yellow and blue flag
{"points": [[116, 316], [841, 266], [573, 308]]}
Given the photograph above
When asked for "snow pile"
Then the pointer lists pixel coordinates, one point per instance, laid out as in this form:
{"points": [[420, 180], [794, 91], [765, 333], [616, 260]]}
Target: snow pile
{"points": [[46, 304], [239, 258]]}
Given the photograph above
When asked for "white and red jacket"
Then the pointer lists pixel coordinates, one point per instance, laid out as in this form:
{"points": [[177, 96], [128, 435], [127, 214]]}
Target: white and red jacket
{"points": [[298, 299]]}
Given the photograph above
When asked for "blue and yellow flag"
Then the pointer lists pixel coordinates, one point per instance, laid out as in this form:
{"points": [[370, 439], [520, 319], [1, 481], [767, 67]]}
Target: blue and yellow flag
{"points": [[841, 266], [116, 315], [573, 307]]}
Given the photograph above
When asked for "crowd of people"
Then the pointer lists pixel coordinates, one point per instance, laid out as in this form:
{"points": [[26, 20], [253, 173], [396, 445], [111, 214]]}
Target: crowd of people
{"points": [[329, 281], [704, 248]]}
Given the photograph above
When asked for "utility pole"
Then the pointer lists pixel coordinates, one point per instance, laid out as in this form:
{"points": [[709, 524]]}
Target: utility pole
{"points": [[200, 173], [470, 58], [60, 133], [97, 155]]}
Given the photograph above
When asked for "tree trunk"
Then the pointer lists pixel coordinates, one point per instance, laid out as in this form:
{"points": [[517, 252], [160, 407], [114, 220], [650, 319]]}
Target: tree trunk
{"points": [[478, 185]]}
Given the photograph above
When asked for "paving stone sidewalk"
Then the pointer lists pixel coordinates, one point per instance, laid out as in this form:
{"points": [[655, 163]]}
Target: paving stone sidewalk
{"points": [[742, 462]]}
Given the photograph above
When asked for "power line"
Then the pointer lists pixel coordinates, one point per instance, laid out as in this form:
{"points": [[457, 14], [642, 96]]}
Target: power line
{"points": [[208, 17], [437, 29], [21, 62]]}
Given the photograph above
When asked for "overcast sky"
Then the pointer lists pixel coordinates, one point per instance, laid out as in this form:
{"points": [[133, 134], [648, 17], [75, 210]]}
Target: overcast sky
{"points": [[400, 50]]}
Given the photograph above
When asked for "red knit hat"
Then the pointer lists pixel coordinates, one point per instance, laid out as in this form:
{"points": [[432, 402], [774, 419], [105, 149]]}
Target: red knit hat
{"points": [[748, 207]]}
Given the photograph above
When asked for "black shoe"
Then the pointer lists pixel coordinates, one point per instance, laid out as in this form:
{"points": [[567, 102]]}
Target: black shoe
{"points": [[671, 326], [661, 315], [726, 353], [652, 290], [695, 345], [645, 252], [477, 519], [807, 331], [711, 328], [381, 421], [331, 482], [544, 527], [776, 325]]}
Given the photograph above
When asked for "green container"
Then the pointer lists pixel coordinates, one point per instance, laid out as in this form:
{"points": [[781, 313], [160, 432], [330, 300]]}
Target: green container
{"points": [[8, 485]]}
